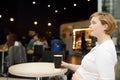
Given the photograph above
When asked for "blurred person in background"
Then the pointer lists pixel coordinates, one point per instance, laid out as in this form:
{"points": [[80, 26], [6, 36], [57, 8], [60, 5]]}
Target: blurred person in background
{"points": [[11, 39], [56, 44], [38, 48], [37, 40], [30, 45], [45, 44], [83, 44]]}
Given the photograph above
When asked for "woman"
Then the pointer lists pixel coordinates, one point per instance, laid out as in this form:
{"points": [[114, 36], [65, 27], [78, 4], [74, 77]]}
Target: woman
{"points": [[99, 63], [11, 38]]}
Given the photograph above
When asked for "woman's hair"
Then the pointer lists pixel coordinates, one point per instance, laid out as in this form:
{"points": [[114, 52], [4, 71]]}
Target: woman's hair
{"points": [[11, 38], [105, 18]]}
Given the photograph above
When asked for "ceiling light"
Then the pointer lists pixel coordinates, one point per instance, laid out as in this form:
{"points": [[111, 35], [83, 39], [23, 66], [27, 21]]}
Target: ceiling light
{"points": [[65, 8], [35, 22], [34, 2], [56, 11], [11, 19], [48, 5], [74, 4], [49, 24], [0, 16]]}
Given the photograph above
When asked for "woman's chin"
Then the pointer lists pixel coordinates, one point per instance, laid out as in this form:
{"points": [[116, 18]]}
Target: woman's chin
{"points": [[92, 34]]}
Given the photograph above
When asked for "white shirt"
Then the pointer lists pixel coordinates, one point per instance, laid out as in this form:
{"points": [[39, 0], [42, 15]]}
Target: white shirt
{"points": [[99, 63]]}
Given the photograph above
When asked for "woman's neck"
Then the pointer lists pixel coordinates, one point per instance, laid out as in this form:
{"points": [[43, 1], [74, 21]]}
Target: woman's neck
{"points": [[103, 38]]}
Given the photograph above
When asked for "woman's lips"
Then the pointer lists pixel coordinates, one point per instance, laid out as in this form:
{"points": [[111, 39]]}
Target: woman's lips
{"points": [[91, 30]]}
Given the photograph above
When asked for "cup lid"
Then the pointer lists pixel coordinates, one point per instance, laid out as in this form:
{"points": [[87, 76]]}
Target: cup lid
{"points": [[57, 55]]}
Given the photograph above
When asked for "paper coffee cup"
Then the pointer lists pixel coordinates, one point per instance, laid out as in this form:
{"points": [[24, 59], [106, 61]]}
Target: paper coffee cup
{"points": [[57, 60]]}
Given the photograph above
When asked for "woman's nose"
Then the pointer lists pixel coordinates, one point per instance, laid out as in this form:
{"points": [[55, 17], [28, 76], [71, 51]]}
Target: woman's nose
{"points": [[90, 26]]}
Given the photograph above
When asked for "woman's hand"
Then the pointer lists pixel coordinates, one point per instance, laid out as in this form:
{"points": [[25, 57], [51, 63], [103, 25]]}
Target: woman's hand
{"points": [[72, 67], [64, 64], [77, 76]]}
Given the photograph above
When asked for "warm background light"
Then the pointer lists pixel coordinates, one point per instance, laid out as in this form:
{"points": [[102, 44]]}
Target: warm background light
{"points": [[65, 8], [35, 22], [0, 16], [49, 5], [34, 2], [12, 19], [56, 11], [75, 4], [49, 24]]}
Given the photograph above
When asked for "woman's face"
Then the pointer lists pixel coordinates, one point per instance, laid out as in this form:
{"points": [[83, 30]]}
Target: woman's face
{"points": [[8, 38], [96, 28], [35, 38]]}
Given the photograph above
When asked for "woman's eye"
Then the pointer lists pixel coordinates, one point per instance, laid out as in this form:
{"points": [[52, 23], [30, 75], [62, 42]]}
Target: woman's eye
{"points": [[93, 22]]}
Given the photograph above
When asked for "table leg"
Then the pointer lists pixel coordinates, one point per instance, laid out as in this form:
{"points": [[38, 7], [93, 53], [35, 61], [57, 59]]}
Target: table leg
{"points": [[2, 68], [39, 78]]}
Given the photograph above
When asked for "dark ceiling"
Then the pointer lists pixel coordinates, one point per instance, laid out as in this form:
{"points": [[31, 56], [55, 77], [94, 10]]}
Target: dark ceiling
{"points": [[25, 13]]}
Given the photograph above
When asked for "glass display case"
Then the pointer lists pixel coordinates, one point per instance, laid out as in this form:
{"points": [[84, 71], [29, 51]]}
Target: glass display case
{"points": [[77, 35]]}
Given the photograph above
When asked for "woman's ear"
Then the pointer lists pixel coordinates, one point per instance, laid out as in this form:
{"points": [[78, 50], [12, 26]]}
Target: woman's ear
{"points": [[105, 26]]}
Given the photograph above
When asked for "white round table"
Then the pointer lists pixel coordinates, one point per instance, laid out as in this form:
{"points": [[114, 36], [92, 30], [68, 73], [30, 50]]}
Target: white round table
{"points": [[36, 69]]}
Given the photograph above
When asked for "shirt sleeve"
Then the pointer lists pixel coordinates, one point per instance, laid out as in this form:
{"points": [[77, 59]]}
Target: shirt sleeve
{"points": [[105, 64]]}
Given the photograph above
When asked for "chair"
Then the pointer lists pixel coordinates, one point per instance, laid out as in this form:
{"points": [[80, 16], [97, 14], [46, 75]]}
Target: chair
{"points": [[16, 55], [48, 56], [38, 52]]}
